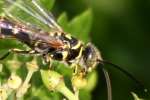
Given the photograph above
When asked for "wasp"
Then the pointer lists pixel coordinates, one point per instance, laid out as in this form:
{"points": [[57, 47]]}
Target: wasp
{"points": [[52, 45]]}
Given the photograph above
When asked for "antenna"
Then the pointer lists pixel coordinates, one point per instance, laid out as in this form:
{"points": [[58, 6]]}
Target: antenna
{"points": [[125, 72], [108, 83]]}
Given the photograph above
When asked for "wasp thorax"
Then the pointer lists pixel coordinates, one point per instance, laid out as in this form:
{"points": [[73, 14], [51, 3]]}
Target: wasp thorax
{"points": [[91, 56]]}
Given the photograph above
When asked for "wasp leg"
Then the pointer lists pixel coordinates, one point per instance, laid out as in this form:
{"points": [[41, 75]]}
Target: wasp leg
{"points": [[47, 60], [50, 63], [75, 68], [17, 51]]}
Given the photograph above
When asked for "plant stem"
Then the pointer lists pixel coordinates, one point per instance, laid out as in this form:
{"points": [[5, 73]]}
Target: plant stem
{"points": [[29, 75], [66, 92]]}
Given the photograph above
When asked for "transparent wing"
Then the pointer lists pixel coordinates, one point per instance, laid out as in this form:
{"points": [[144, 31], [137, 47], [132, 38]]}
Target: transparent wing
{"points": [[31, 11], [17, 21], [48, 16]]}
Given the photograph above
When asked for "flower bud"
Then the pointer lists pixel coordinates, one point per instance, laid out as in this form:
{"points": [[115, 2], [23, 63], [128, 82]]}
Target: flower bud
{"points": [[32, 66], [55, 82], [3, 94], [52, 80], [78, 81], [14, 82], [14, 64]]}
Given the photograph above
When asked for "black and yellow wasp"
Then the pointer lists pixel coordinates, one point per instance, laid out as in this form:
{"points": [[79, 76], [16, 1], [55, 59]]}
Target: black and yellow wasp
{"points": [[52, 45]]}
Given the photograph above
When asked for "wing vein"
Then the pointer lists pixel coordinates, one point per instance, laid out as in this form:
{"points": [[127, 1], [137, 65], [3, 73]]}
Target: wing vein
{"points": [[50, 19]]}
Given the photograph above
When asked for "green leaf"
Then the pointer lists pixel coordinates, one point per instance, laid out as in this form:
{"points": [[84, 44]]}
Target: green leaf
{"points": [[1, 5], [43, 94], [8, 43], [48, 4], [85, 95], [92, 80], [80, 26], [63, 21]]}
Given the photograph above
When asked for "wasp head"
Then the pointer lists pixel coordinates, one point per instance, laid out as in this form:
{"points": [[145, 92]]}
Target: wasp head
{"points": [[91, 57]]}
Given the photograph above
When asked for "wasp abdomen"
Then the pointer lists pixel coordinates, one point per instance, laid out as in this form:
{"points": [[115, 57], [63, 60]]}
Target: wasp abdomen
{"points": [[5, 31], [6, 28], [24, 37], [9, 29]]}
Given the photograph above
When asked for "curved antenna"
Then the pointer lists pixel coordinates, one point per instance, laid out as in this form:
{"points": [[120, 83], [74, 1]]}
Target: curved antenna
{"points": [[108, 82], [125, 72]]}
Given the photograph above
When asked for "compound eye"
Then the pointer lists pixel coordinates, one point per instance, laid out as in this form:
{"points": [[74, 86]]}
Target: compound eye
{"points": [[88, 53], [90, 56]]}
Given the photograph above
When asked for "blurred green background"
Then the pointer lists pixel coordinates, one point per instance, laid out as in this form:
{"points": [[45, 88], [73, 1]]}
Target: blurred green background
{"points": [[121, 30]]}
